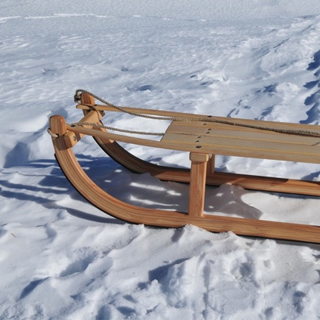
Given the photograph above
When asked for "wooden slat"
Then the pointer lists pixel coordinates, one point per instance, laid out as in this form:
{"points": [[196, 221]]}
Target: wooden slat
{"points": [[139, 141], [244, 124], [244, 148], [235, 132]]}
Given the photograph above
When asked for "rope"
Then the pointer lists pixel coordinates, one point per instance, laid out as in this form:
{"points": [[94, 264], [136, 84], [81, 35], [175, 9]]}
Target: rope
{"points": [[77, 98], [115, 129], [53, 135]]}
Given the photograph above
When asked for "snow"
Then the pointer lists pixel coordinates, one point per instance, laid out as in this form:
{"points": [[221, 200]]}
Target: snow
{"points": [[60, 257]]}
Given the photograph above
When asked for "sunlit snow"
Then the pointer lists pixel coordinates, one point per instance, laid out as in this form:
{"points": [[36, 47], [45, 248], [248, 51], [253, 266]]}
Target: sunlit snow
{"points": [[60, 257]]}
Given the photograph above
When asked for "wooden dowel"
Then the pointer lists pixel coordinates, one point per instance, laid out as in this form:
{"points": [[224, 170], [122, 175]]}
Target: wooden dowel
{"points": [[86, 98]]}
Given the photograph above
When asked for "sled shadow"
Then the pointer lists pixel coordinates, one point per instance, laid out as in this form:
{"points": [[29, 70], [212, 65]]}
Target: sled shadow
{"points": [[140, 190]]}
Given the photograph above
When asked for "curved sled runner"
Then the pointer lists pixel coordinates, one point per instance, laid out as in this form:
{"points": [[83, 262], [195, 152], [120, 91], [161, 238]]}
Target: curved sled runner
{"points": [[202, 137]]}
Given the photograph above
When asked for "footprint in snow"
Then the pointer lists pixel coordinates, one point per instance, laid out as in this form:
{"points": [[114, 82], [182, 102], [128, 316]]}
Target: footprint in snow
{"points": [[146, 87], [31, 286], [77, 266]]}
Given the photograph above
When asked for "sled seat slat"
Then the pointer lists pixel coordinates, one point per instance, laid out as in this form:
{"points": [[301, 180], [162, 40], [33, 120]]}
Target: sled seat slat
{"points": [[244, 142], [237, 132]]}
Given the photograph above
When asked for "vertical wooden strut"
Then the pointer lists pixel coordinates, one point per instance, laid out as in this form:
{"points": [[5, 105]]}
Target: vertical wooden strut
{"points": [[87, 98], [197, 183], [58, 126], [210, 165]]}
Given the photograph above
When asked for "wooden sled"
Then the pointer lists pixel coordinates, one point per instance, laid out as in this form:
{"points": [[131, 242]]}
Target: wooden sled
{"points": [[202, 137]]}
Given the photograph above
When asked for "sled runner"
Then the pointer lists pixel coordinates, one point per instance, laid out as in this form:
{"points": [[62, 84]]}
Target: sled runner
{"points": [[202, 137]]}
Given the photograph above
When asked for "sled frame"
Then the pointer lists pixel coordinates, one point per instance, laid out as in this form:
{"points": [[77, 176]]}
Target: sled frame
{"points": [[202, 153]]}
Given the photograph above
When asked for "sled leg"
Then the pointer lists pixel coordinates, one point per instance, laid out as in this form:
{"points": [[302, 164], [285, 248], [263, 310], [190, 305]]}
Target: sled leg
{"points": [[210, 165], [197, 183]]}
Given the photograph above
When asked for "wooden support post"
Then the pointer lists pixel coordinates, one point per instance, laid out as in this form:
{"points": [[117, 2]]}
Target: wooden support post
{"points": [[72, 138], [87, 99], [210, 165], [58, 125], [197, 183], [91, 116]]}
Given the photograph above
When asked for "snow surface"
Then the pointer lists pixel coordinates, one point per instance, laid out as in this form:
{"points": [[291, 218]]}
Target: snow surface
{"points": [[61, 258]]}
